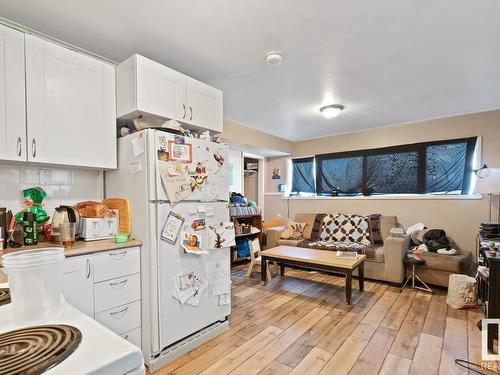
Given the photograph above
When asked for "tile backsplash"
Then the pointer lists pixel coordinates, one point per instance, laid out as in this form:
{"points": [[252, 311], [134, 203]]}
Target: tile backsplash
{"points": [[63, 185]]}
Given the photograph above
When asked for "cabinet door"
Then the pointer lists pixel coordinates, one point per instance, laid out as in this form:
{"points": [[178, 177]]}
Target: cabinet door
{"points": [[160, 90], [12, 100], [71, 110], [204, 105], [78, 283]]}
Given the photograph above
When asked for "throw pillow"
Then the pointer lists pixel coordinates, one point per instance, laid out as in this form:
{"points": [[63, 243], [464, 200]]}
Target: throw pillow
{"points": [[293, 231], [350, 228], [328, 227], [374, 225]]}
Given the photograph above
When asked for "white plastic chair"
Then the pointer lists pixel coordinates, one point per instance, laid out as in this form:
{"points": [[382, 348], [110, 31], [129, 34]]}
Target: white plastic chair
{"points": [[255, 258]]}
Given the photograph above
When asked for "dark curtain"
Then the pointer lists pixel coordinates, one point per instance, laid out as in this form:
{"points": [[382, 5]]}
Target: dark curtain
{"points": [[430, 167], [449, 167], [303, 175], [393, 173], [345, 174]]}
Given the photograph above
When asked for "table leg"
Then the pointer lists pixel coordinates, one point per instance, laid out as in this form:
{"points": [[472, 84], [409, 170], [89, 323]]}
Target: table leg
{"points": [[282, 269], [361, 277], [348, 287], [263, 270]]}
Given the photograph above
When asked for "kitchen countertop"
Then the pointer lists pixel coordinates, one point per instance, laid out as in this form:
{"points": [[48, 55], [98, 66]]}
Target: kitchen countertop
{"points": [[79, 248]]}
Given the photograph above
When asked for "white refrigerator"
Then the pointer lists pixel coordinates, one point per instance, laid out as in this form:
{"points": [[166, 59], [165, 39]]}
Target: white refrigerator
{"points": [[169, 327]]}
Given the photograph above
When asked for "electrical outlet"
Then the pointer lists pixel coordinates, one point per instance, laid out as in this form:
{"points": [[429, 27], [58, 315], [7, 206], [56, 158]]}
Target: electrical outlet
{"points": [[45, 177]]}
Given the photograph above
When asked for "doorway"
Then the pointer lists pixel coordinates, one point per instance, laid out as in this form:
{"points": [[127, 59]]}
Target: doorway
{"points": [[251, 179]]}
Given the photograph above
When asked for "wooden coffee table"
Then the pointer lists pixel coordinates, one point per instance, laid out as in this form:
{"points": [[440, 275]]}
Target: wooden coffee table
{"points": [[320, 260]]}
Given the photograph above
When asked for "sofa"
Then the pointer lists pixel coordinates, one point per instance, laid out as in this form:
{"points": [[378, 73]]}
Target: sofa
{"points": [[438, 267], [386, 262]]}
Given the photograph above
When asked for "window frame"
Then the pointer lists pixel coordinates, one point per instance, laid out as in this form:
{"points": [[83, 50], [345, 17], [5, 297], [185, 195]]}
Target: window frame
{"points": [[472, 144]]}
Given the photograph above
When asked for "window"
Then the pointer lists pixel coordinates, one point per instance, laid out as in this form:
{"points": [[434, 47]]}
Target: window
{"points": [[345, 173], [303, 175], [422, 168]]}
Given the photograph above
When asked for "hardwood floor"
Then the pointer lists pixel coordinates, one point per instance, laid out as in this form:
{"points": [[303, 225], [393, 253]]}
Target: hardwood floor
{"points": [[301, 324]]}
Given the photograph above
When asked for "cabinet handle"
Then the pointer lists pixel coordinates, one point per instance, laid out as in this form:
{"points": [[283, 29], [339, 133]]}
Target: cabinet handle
{"points": [[191, 110], [184, 107], [119, 312], [88, 268], [33, 147], [125, 337], [19, 150], [117, 255], [123, 282]]}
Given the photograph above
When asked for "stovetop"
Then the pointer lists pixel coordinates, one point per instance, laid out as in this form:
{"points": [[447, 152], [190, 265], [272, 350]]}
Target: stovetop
{"points": [[4, 296], [33, 350]]}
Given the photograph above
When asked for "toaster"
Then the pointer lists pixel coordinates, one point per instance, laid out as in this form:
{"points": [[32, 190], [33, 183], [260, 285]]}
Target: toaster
{"points": [[92, 229]]}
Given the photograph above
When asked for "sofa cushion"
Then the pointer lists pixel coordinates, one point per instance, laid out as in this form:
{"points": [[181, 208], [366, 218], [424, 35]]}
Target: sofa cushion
{"points": [[288, 242], [459, 263], [309, 220], [386, 224]]}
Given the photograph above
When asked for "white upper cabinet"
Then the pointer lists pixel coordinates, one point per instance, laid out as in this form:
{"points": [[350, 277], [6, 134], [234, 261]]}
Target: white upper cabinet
{"points": [[12, 95], [147, 88], [204, 105], [71, 109]]}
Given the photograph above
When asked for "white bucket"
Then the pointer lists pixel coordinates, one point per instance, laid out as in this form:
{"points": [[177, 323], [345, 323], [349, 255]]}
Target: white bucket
{"points": [[35, 282]]}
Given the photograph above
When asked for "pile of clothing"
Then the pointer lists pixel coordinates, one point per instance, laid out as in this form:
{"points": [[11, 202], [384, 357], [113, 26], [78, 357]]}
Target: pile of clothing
{"points": [[433, 240]]}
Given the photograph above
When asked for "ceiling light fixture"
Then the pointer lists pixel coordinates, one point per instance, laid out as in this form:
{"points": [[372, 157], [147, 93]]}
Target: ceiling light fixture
{"points": [[332, 110], [274, 57]]}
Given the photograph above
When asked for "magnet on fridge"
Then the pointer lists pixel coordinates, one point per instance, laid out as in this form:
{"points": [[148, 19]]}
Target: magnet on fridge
{"points": [[210, 211], [192, 210], [202, 209]]}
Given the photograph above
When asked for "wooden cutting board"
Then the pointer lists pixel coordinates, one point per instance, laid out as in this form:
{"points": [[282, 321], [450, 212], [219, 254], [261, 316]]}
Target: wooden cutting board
{"points": [[124, 218]]}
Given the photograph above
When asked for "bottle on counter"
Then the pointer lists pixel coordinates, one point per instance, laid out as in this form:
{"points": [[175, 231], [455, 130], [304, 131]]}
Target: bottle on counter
{"points": [[30, 229]]}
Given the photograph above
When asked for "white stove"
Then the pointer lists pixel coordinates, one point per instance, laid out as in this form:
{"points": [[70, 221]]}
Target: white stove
{"points": [[99, 352]]}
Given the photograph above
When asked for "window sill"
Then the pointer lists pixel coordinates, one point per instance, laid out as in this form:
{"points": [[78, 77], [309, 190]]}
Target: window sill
{"points": [[386, 197]]}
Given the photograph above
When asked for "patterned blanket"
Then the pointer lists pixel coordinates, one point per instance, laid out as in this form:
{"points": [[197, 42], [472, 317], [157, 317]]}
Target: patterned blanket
{"points": [[368, 250]]}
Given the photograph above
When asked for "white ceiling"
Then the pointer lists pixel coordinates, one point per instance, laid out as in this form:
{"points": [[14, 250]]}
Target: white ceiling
{"points": [[387, 61]]}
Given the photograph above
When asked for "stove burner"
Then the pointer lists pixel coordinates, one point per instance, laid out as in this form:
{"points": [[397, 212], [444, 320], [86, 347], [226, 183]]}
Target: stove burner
{"points": [[4, 296], [33, 350]]}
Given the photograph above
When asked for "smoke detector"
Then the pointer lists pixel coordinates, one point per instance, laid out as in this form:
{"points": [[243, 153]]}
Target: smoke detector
{"points": [[274, 57]]}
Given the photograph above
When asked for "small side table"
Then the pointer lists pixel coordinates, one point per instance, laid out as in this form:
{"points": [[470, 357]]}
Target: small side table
{"points": [[415, 262]]}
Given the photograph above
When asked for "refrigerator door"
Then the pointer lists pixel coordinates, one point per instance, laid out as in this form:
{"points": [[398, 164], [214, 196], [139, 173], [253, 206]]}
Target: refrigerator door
{"points": [[211, 184], [177, 320]]}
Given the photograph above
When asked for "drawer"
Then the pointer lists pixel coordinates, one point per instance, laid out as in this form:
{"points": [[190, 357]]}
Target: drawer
{"points": [[134, 336], [116, 263], [121, 319], [117, 292]]}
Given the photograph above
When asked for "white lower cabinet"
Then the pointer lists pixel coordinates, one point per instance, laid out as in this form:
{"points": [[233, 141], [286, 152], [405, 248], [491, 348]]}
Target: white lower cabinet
{"points": [[121, 319], [107, 286], [134, 336]]}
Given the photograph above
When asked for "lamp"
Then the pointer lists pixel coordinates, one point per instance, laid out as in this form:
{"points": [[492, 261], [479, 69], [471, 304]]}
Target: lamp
{"points": [[488, 182]]}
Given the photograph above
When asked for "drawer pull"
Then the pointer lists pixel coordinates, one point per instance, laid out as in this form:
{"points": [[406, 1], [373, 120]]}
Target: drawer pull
{"points": [[118, 255], [122, 283], [118, 312], [125, 337]]}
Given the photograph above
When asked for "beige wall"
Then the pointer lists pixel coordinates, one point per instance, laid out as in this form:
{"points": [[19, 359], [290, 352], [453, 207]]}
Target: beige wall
{"points": [[271, 185], [243, 138], [459, 217]]}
